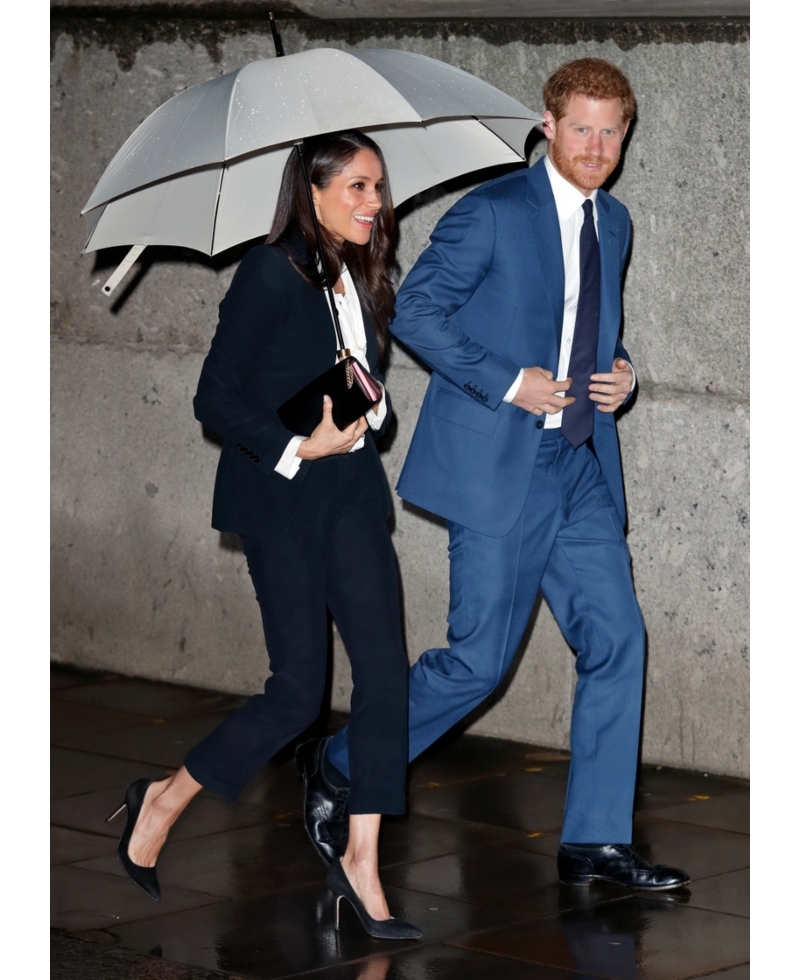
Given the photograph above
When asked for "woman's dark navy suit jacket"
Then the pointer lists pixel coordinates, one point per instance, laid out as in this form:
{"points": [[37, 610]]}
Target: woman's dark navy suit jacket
{"points": [[275, 334]]}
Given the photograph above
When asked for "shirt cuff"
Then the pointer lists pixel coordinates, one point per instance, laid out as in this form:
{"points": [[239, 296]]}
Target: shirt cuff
{"points": [[358, 445], [511, 394], [633, 386], [289, 463], [375, 417]]}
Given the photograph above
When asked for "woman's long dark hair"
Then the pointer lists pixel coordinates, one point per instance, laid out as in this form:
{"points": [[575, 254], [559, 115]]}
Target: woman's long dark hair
{"points": [[370, 265]]}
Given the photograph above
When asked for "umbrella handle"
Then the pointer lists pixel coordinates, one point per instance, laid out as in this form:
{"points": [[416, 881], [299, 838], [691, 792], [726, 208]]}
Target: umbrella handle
{"points": [[334, 312], [121, 270]]}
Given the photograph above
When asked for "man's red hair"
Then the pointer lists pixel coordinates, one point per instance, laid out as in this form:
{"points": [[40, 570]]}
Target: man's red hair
{"points": [[592, 77]]}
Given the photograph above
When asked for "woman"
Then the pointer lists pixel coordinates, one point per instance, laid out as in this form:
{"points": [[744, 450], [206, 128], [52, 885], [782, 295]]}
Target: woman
{"points": [[311, 514]]}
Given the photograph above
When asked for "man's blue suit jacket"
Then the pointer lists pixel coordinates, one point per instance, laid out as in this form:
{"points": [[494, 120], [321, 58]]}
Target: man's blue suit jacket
{"points": [[485, 299]]}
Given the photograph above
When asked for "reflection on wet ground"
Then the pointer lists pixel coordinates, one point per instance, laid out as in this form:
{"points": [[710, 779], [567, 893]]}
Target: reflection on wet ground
{"points": [[473, 864]]}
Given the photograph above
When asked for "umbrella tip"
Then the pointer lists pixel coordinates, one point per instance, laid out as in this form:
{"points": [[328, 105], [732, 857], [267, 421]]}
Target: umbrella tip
{"points": [[276, 38]]}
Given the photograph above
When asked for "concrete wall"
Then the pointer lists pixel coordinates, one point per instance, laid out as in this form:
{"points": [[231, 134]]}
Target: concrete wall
{"points": [[141, 583]]}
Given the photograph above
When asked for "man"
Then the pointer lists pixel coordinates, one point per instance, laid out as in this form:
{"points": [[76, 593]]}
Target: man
{"points": [[516, 306]]}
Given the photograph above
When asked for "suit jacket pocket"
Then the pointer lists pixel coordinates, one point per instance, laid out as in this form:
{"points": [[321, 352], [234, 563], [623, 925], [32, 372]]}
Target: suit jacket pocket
{"points": [[462, 410]]}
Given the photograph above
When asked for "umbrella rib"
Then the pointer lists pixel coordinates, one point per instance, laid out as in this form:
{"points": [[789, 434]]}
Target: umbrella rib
{"points": [[226, 141], [222, 173], [223, 162]]}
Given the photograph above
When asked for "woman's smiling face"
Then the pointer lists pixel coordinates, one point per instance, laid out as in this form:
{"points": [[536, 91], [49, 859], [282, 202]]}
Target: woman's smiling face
{"points": [[347, 207]]}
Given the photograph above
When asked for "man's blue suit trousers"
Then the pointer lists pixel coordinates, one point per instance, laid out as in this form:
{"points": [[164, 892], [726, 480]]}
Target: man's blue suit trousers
{"points": [[569, 543]]}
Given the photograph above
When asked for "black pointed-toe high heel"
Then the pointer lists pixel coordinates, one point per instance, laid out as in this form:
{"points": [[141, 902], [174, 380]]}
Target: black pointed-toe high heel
{"points": [[340, 887], [145, 878]]}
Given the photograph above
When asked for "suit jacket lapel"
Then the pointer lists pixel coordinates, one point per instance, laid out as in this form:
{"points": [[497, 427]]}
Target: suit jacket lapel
{"points": [[608, 239], [547, 239]]}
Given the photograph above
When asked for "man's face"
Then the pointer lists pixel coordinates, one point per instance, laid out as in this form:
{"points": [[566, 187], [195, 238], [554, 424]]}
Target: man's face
{"points": [[586, 142]]}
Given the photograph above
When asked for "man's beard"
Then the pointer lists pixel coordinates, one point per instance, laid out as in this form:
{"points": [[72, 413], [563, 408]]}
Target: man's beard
{"points": [[570, 168]]}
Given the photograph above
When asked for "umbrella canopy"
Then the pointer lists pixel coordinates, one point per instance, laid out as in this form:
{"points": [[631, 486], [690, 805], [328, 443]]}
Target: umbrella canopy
{"points": [[203, 171]]}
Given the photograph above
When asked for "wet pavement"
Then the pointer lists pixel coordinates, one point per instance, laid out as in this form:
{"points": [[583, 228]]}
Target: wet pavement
{"points": [[473, 864]]}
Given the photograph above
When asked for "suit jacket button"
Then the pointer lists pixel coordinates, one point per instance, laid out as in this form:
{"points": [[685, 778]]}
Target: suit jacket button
{"points": [[540, 424]]}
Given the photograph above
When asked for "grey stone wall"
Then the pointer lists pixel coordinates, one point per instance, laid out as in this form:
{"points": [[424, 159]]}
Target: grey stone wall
{"points": [[142, 585]]}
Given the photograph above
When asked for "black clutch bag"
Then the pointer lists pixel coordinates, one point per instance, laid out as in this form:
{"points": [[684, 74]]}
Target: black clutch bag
{"points": [[352, 390]]}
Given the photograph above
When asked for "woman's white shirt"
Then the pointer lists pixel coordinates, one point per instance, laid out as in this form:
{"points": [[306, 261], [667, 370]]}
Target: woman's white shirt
{"points": [[354, 335]]}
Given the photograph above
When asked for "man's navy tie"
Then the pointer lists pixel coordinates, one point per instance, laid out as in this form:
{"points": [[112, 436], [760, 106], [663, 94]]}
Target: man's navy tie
{"points": [[577, 422]]}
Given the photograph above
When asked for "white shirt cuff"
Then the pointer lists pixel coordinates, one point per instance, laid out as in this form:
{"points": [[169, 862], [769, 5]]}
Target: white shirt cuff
{"points": [[510, 395], [633, 386], [289, 463]]}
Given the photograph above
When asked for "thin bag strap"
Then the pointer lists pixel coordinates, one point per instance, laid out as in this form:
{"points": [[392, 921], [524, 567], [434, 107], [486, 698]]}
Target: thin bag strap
{"points": [[342, 352]]}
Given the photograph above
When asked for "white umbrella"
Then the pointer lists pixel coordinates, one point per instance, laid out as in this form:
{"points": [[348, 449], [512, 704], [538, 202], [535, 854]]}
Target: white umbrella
{"points": [[203, 171]]}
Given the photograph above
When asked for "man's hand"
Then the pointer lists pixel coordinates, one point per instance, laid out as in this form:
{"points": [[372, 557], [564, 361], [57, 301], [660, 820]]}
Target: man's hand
{"points": [[327, 440], [611, 390], [538, 392]]}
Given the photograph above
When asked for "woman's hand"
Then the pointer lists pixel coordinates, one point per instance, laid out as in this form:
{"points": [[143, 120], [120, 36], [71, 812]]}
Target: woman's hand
{"points": [[327, 440]]}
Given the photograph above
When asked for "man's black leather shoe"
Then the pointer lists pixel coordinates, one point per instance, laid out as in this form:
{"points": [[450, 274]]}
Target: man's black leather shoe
{"points": [[579, 864], [324, 806]]}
